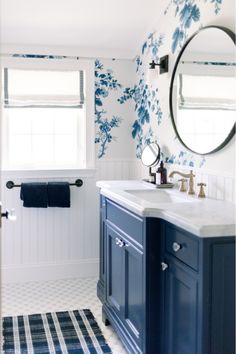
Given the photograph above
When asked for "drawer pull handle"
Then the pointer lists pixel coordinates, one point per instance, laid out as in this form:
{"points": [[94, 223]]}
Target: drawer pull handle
{"points": [[176, 247], [164, 266], [122, 243], [117, 241]]}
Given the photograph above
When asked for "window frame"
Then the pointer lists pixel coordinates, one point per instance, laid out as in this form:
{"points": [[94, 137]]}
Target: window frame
{"points": [[60, 64]]}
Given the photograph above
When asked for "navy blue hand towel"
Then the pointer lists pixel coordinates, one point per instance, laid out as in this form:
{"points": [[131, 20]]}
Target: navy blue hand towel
{"points": [[59, 194], [34, 195]]}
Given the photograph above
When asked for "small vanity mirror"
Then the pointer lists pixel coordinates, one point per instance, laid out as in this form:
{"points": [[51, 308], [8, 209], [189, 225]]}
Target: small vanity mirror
{"points": [[203, 91], [151, 155]]}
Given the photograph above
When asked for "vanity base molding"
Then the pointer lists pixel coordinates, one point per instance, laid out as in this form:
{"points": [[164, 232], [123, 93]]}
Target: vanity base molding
{"points": [[163, 289], [110, 318]]}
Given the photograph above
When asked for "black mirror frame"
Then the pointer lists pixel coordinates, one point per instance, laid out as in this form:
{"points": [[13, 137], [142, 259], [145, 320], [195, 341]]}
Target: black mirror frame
{"points": [[232, 132]]}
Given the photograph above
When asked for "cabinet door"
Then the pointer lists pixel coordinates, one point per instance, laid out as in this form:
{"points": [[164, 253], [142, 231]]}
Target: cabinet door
{"points": [[114, 271], [223, 299], [134, 293], [180, 310]]}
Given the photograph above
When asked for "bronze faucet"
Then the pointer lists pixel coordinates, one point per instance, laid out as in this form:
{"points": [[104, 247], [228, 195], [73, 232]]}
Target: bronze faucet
{"points": [[186, 175]]}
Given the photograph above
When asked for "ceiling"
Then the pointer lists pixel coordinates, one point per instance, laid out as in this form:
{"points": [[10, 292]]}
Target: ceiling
{"points": [[105, 28]]}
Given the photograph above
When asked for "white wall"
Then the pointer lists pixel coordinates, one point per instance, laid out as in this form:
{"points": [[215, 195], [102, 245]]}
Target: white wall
{"points": [[56, 243], [60, 243]]}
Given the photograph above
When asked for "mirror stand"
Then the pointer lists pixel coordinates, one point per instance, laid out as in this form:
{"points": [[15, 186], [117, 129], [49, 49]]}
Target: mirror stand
{"points": [[151, 174], [150, 158]]}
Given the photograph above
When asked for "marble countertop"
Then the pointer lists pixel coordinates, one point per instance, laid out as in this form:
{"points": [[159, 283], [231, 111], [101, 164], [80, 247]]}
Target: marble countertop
{"points": [[203, 217]]}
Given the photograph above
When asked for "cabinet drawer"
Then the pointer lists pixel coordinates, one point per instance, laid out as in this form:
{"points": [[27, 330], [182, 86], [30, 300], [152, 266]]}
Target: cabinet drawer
{"points": [[182, 246], [129, 223]]}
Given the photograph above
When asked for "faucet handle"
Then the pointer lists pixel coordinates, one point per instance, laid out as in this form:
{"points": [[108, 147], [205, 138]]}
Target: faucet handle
{"points": [[183, 187], [201, 193]]}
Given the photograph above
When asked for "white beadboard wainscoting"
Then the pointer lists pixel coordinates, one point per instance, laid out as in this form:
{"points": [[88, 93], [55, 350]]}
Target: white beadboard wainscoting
{"points": [[218, 185], [51, 243], [57, 243]]}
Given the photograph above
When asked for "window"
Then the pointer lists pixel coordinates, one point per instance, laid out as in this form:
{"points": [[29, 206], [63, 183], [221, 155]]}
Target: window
{"points": [[46, 116]]}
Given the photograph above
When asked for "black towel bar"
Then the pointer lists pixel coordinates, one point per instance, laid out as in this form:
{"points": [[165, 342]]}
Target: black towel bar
{"points": [[11, 184]]}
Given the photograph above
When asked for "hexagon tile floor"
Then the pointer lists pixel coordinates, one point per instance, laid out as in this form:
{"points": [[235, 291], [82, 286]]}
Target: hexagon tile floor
{"points": [[58, 295]]}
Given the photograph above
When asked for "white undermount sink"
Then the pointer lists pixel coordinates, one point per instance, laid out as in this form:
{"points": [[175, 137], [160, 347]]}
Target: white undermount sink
{"points": [[160, 196]]}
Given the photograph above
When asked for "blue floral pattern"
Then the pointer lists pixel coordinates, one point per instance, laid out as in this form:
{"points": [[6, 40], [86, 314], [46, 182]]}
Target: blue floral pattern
{"points": [[217, 4], [152, 46], [184, 158], [145, 97], [105, 82], [146, 103], [188, 12]]}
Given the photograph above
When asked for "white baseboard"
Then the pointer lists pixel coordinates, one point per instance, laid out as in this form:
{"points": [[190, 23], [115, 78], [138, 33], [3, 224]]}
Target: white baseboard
{"points": [[50, 271]]}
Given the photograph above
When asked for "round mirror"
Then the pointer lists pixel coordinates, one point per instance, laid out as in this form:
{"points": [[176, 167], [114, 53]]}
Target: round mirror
{"points": [[203, 91], [151, 155]]}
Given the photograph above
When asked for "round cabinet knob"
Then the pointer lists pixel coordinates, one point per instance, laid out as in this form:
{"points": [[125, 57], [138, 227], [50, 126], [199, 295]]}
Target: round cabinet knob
{"points": [[164, 266], [176, 246]]}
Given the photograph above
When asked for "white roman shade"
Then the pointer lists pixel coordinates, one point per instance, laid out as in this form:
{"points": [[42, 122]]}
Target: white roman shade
{"points": [[207, 92], [43, 88]]}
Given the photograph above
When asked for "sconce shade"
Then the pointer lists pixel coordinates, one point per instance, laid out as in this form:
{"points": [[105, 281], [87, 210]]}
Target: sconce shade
{"points": [[164, 64]]}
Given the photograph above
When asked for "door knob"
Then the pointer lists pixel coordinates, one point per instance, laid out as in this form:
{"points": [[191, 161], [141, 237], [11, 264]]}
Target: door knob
{"points": [[9, 214]]}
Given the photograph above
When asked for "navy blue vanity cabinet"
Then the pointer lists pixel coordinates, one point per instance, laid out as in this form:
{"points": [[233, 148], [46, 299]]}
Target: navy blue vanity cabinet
{"points": [[163, 289], [218, 295], [180, 299], [125, 283], [198, 293], [115, 271], [132, 289]]}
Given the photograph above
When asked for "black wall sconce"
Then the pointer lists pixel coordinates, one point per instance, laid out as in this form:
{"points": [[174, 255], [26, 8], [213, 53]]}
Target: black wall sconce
{"points": [[163, 63]]}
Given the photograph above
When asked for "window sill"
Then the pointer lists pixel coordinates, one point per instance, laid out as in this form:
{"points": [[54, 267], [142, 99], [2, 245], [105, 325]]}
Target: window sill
{"points": [[70, 173]]}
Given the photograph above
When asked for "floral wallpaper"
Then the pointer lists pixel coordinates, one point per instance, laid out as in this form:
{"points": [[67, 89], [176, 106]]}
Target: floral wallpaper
{"points": [[145, 97], [146, 102], [105, 82], [149, 96], [136, 104], [181, 18], [187, 12]]}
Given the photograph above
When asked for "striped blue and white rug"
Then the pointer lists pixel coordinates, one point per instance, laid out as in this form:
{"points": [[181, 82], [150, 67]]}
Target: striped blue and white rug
{"points": [[68, 332]]}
